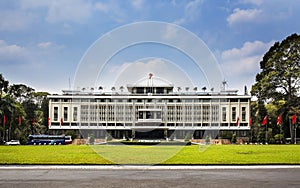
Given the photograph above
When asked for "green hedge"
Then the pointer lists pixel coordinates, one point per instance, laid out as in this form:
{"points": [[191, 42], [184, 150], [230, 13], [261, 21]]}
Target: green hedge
{"points": [[172, 143]]}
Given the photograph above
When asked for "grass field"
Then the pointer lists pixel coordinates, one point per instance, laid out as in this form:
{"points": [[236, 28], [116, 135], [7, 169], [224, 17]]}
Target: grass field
{"points": [[195, 154]]}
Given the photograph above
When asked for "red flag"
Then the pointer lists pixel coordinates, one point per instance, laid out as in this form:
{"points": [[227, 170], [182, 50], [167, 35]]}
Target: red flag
{"points": [[34, 121], [278, 120], [294, 119], [48, 121], [150, 75], [264, 122], [20, 120], [237, 121], [61, 121], [250, 122], [4, 119]]}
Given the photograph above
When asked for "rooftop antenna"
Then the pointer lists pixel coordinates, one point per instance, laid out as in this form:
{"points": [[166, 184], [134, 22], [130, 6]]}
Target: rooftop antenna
{"points": [[69, 83], [224, 83]]}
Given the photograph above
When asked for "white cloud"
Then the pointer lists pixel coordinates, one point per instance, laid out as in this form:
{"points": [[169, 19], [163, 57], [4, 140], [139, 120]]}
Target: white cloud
{"points": [[11, 53], [33, 54], [255, 2], [49, 46], [113, 10], [171, 33], [61, 10], [69, 10], [191, 12], [44, 44], [101, 7], [15, 20], [244, 16], [241, 65], [137, 4], [249, 49]]}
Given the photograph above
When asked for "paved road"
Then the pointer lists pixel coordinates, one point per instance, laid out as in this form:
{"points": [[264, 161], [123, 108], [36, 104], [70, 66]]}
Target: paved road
{"points": [[130, 177]]}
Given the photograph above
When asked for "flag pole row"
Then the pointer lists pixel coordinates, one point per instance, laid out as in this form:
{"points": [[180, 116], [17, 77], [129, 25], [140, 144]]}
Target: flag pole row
{"points": [[278, 121]]}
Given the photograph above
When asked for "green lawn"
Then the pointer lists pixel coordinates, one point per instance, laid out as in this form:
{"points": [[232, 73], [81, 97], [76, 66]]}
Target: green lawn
{"points": [[195, 154]]}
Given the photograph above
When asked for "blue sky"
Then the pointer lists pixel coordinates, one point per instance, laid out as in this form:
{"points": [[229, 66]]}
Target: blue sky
{"points": [[42, 42]]}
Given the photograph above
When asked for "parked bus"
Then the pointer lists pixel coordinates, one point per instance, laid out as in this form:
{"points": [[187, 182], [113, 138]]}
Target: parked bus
{"points": [[49, 140]]}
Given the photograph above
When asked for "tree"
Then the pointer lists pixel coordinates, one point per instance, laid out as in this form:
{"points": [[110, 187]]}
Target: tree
{"points": [[20, 92], [279, 79], [25, 111], [3, 86], [280, 75]]}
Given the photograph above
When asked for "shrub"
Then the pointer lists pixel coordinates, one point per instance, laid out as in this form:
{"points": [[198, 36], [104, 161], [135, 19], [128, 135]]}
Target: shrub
{"points": [[233, 139], [109, 137], [92, 139], [207, 139]]}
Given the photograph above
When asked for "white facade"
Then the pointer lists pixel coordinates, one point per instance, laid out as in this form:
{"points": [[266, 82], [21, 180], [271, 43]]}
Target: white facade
{"points": [[137, 110]]}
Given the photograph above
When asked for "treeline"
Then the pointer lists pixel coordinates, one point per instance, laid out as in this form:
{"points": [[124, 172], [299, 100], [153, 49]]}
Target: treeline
{"points": [[23, 111]]}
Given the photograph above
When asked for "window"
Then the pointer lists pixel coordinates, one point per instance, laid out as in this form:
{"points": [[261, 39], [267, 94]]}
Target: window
{"points": [[55, 118], [244, 100], [65, 113], [140, 90], [141, 115], [243, 113], [149, 115], [206, 113], [215, 113], [159, 90], [224, 114], [75, 112], [84, 110], [233, 118], [158, 115]]}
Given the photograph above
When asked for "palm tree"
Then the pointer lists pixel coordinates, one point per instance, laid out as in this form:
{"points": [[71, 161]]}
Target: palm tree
{"points": [[195, 89], [204, 89], [187, 89]]}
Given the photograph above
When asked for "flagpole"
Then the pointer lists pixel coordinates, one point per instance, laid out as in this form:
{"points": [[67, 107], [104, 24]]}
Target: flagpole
{"points": [[291, 132], [280, 133], [267, 133], [251, 133], [295, 133]]}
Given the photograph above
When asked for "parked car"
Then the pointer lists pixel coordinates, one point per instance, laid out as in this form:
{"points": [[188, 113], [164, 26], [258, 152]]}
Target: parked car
{"points": [[13, 142]]}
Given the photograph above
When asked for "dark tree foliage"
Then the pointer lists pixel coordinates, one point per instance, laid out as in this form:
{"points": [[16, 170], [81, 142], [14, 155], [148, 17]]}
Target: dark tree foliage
{"points": [[25, 111], [279, 80], [280, 75]]}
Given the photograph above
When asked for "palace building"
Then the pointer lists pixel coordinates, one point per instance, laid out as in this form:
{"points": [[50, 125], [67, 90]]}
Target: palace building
{"points": [[149, 111]]}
